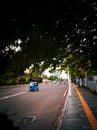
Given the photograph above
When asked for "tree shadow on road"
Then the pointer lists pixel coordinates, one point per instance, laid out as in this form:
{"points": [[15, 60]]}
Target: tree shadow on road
{"points": [[6, 123]]}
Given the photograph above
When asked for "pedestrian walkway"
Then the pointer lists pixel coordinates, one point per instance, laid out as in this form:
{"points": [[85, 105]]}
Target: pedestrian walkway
{"points": [[81, 110]]}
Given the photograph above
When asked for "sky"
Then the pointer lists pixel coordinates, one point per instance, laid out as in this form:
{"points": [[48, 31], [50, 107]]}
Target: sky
{"points": [[62, 75], [46, 72]]}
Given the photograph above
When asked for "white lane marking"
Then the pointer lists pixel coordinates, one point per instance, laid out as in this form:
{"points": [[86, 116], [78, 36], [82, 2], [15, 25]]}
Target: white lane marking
{"points": [[65, 92], [13, 95], [26, 119]]}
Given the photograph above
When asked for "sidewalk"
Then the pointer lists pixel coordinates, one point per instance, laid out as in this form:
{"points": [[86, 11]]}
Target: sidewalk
{"points": [[81, 110]]}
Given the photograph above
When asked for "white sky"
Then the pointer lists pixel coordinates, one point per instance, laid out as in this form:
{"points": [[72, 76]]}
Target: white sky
{"points": [[46, 72], [62, 75]]}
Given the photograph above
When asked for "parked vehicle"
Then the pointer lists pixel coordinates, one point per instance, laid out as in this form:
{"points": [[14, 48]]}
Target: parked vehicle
{"points": [[33, 86]]}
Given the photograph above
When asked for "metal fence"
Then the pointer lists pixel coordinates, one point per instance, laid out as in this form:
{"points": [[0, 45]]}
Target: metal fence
{"points": [[91, 85]]}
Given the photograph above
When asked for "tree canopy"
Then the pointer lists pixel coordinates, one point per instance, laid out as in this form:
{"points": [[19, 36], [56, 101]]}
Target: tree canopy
{"points": [[49, 32]]}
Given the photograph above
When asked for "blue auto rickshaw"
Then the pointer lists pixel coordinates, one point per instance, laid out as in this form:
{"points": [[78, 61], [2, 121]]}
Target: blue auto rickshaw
{"points": [[33, 86]]}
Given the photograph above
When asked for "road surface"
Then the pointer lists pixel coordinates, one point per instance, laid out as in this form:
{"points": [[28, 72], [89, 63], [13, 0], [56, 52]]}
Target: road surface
{"points": [[31, 110]]}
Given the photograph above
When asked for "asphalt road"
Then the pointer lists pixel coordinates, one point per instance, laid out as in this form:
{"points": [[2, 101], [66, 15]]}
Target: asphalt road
{"points": [[24, 110]]}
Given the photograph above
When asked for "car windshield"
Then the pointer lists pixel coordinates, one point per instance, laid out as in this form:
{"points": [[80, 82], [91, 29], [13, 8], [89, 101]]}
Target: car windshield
{"points": [[33, 83]]}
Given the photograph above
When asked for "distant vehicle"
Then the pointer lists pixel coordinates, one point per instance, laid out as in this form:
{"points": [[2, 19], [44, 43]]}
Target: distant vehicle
{"points": [[33, 86]]}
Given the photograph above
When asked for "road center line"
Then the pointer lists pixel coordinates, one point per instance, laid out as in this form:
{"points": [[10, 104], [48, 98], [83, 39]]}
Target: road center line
{"points": [[13, 95], [91, 117]]}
